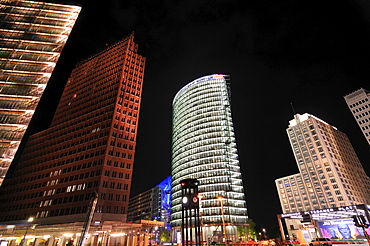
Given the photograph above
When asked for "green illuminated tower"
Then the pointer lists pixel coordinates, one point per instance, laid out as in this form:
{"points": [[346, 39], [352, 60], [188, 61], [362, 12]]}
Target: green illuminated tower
{"points": [[204, 148]]}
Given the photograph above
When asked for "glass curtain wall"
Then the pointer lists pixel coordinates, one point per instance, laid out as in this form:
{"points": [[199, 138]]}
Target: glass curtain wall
{"points": [[32, 36], [204, 148]]}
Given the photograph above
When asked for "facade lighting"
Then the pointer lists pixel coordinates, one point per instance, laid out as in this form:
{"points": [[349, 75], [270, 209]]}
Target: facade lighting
{"points": [[204, 148], [27, 43]]}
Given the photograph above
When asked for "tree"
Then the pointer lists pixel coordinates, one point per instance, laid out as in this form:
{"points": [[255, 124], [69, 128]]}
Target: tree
{"points": [[242, 231], [252, 229], [164, 235]]}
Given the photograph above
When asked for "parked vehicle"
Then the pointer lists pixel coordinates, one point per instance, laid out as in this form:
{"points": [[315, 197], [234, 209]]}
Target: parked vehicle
{"points": [[321, 241]]}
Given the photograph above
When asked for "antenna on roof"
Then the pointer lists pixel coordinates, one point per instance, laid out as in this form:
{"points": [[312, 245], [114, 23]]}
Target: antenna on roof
{"points": [[291, 104]]}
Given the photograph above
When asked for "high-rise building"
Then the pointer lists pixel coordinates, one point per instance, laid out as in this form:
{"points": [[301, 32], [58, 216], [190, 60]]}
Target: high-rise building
{"points": [[330, 173], [153, 204], [359, 104], [204, 148], [89, 148], [33, 35]]}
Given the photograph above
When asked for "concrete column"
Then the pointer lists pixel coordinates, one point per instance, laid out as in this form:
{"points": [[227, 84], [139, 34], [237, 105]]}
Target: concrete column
{"points": [[128, 240], [94, 240], [62, 241], [124, 240], [76, 239], [36, 242], [146, 239], [134, 241], [11, 242], [50, 241], [104, 239], [141, 239]]}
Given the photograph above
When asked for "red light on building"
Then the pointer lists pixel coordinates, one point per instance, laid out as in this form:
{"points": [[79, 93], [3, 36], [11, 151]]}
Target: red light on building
{"points": [[89, 147]]}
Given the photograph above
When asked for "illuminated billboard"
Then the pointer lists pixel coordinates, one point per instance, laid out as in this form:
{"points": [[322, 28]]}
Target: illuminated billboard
{"points": [[341, 229]]}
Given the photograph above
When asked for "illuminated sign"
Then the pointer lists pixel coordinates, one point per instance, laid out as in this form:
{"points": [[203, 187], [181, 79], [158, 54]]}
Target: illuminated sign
{"points": [[291, 215], [341, 229]]}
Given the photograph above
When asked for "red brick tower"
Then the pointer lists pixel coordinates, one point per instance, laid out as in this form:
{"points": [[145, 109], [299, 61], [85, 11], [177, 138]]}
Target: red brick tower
{"points": [[89, 147]]}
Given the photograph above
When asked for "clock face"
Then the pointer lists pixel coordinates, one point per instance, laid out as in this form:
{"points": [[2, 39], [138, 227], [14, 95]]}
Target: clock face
{"points": [[195, 199], [184, 200]]}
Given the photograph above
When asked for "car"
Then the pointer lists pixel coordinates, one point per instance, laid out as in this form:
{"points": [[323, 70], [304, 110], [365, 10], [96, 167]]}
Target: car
{"points": [[321, 241]]}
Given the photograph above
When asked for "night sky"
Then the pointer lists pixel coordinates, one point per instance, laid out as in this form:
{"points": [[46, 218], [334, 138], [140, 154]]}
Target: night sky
{"points": [[308, 53]]}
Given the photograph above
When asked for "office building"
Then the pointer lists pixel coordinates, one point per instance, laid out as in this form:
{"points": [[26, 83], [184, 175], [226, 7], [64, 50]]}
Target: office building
{"points": [[204, 148], [33, 35], [330, 173], [359, 104], [89, 148], [153, 204]]}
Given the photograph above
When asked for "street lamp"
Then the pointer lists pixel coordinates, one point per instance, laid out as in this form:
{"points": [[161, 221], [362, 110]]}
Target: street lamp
{"points": [[200, 197], [264, 233], [30, 219], [221, 199]]}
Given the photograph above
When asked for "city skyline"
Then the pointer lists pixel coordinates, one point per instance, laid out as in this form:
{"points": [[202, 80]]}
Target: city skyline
{"points": [[272, 62]]}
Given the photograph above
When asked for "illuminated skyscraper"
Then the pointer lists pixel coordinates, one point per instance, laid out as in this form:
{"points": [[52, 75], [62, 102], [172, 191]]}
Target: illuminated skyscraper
{"points": [[33, 35], [330, 174], [359, 104], [89, 148], [204, 148]]}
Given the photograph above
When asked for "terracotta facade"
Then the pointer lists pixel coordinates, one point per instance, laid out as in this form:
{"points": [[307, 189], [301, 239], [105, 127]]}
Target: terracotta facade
{"points": [[89, 148]]}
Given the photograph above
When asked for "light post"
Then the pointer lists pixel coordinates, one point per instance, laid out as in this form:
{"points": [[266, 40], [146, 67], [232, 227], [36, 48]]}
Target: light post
{"points": [[221, 199], [264, 233], [200, 197], [30, 219]]}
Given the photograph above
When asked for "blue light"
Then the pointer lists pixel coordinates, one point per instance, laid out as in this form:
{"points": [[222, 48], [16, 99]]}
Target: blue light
{"points": [[166, 186]]}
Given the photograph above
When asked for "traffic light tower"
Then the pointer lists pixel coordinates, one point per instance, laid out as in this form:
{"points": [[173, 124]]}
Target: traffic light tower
{"points": [[190, 212]]}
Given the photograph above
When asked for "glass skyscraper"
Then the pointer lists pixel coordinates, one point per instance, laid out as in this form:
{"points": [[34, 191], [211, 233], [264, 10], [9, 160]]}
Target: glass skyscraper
{"points": [[204, 148], [32, 36]]}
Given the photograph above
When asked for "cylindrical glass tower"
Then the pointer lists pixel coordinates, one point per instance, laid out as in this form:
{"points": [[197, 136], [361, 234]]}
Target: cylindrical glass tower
{"points": [[204, 148]]}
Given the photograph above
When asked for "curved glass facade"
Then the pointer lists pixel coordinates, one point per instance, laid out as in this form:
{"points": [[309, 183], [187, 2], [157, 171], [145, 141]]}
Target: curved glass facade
{"points": [[204, 148]]}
